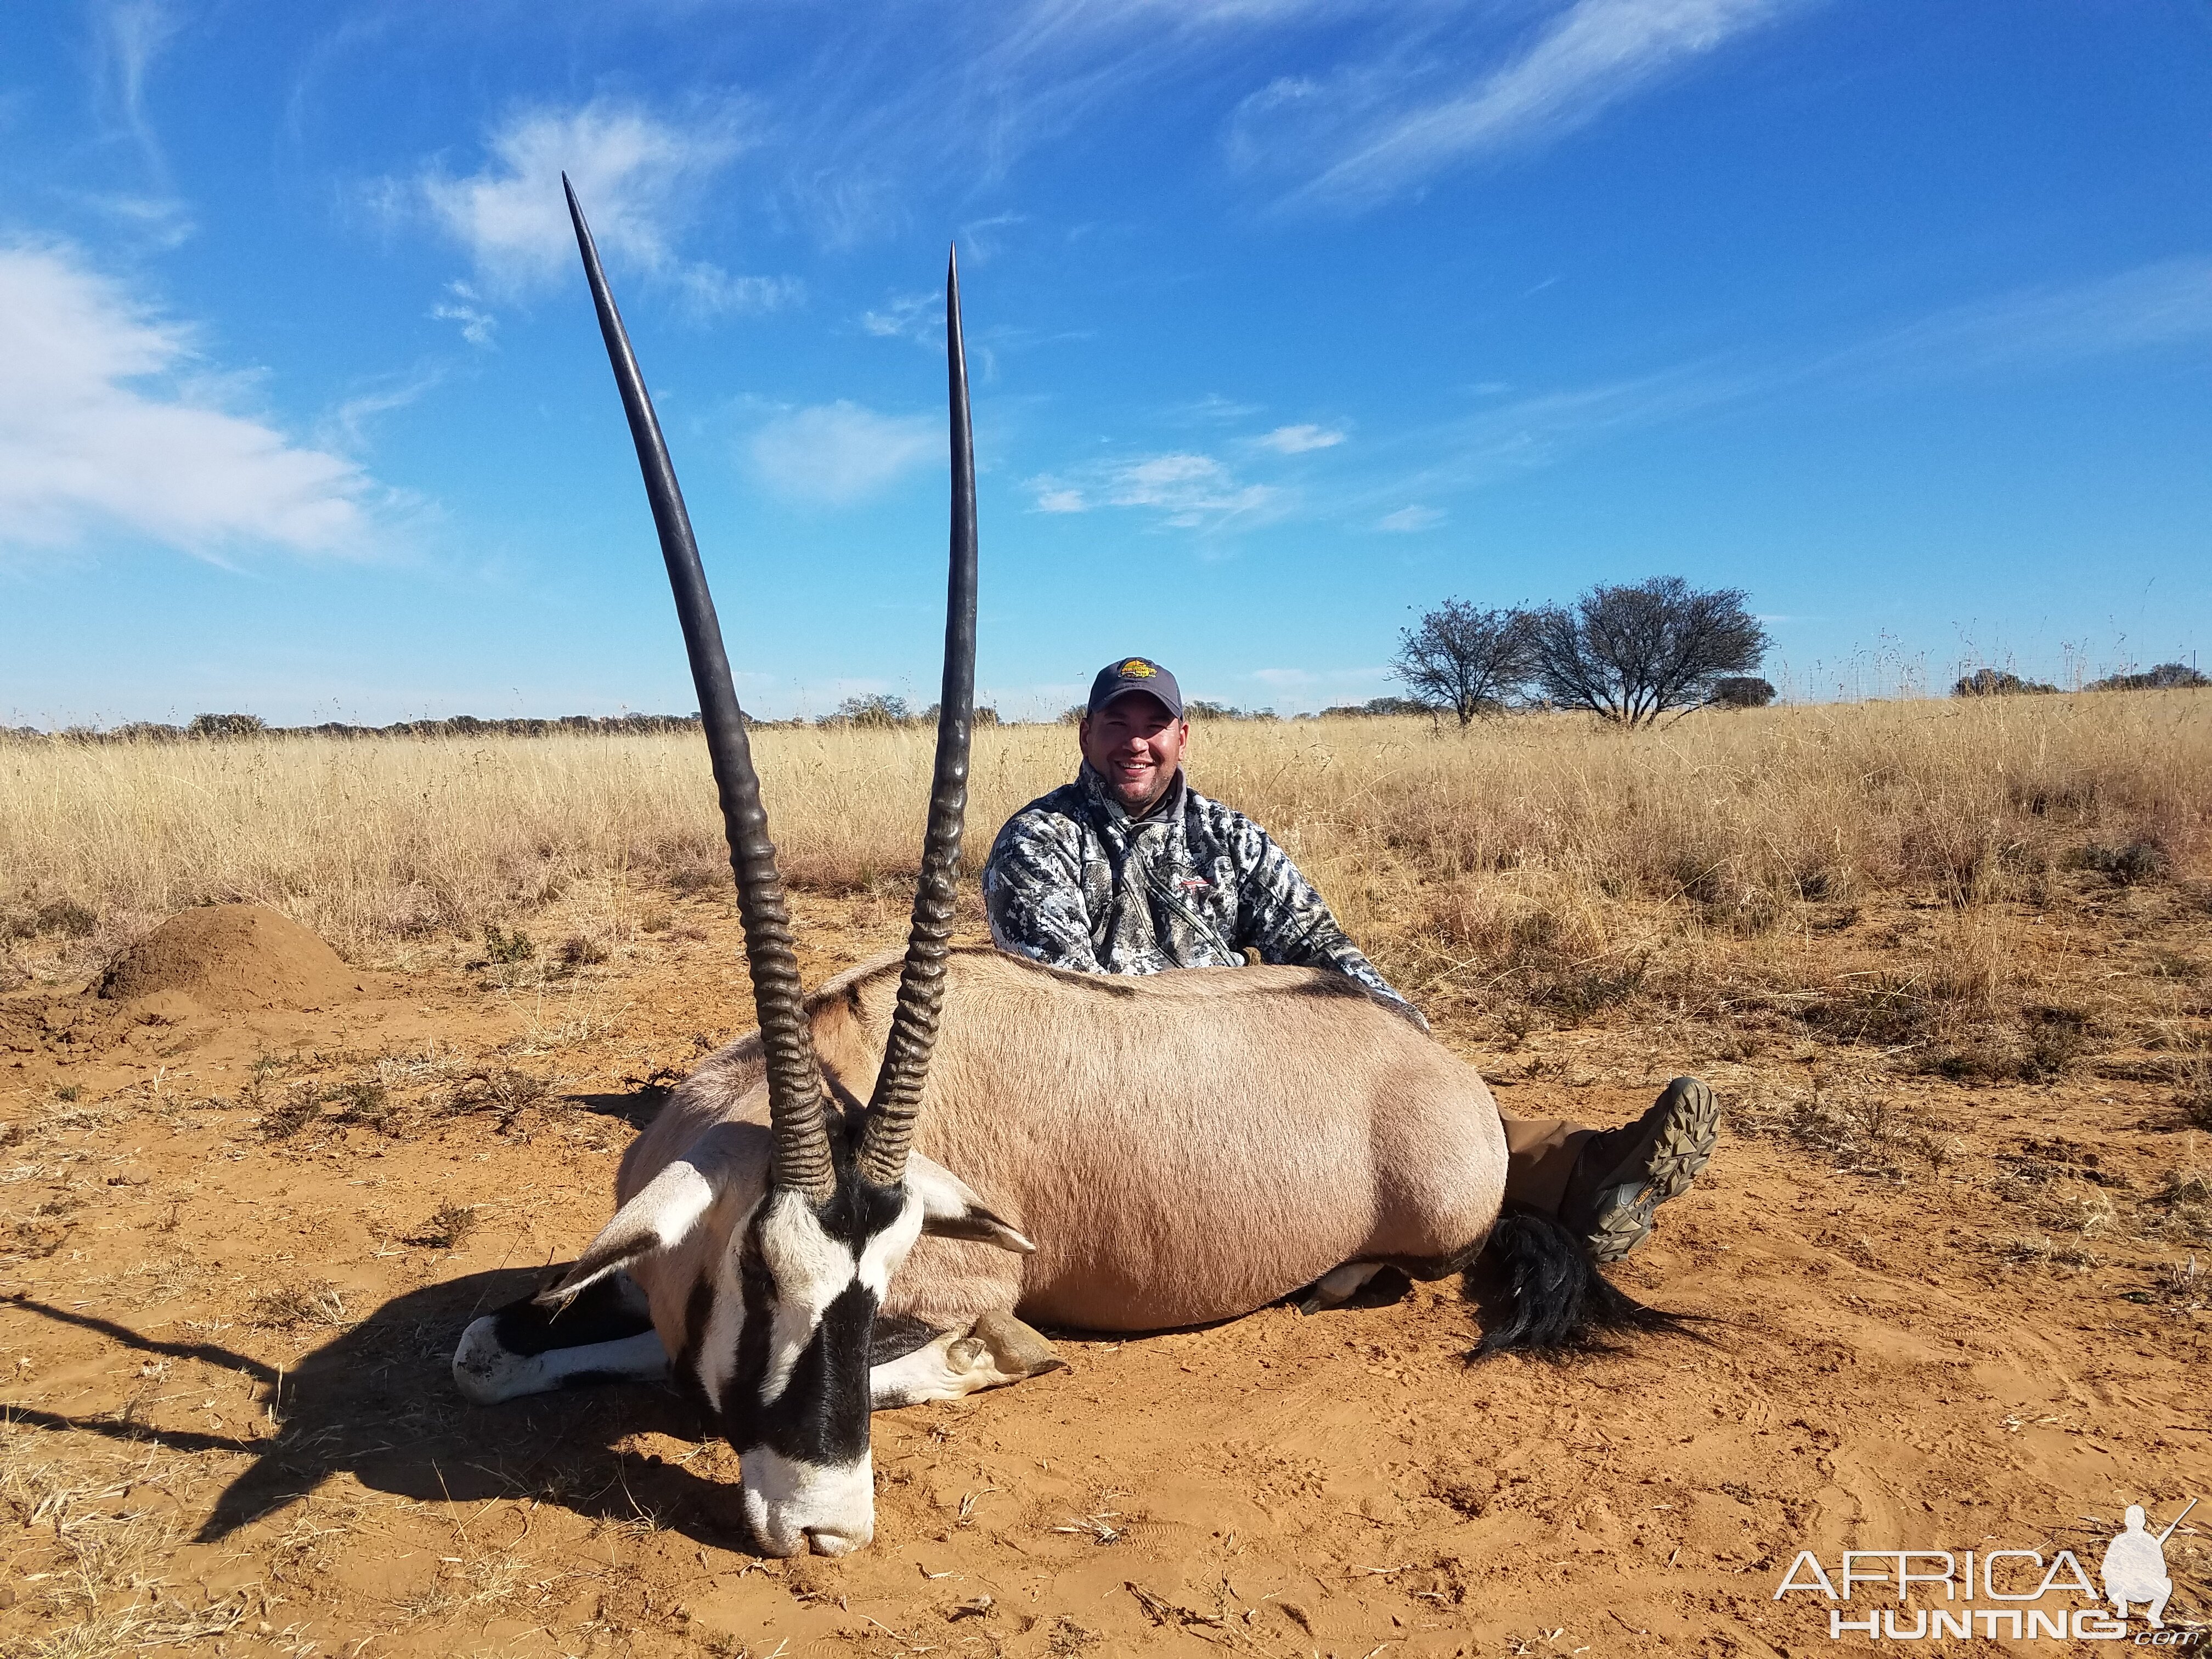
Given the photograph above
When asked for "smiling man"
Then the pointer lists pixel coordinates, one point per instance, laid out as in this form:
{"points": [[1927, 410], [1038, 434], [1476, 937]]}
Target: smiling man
{"points": [[1128, 870]]}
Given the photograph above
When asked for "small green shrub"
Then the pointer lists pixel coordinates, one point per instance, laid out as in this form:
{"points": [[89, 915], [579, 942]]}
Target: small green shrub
{"points": [[508, 949]]}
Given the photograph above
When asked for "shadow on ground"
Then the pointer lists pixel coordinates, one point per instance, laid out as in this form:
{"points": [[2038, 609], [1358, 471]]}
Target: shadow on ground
{"points": [[636, 1107], [378, 1401]]}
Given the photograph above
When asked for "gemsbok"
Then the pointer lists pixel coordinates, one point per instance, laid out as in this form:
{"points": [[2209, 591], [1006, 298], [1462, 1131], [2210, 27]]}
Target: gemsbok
{"points": [[1096, 1153]]}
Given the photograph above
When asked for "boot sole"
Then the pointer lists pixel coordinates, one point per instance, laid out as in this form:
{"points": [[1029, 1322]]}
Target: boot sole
{"points": [[1686, 1143]]}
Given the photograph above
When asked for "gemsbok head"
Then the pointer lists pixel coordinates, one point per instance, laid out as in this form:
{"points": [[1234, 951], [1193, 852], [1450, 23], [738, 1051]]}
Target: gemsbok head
{"points": [[780, 1328]]}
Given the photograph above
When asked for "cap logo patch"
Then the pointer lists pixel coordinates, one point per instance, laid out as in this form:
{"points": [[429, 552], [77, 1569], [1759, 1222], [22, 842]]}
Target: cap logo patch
{"points": [[1138, 669]]}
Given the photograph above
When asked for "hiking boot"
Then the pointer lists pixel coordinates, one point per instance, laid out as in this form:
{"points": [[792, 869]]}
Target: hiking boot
{"points": [[1624, 1174]]}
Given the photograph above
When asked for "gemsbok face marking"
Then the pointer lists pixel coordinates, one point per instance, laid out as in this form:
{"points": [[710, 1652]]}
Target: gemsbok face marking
{"points": [[781, 1327], [797, 1403], [780, 1339]]}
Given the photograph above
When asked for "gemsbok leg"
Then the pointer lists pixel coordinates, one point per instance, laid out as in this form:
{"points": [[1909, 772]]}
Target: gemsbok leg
{"points": [[994, 1351], [606, 1336]]}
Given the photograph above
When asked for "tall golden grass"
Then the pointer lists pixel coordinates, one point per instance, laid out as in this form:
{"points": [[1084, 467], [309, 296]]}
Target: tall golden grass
{"points": [[1436, 846]]}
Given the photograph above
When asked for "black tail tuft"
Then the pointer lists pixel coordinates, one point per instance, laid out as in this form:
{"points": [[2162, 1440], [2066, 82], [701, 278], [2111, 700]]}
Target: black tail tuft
{"points": [[1556, 1302]]}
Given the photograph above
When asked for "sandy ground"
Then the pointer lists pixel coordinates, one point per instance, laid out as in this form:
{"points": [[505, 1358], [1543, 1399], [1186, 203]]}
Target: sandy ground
{"points": [[239, 1241]]}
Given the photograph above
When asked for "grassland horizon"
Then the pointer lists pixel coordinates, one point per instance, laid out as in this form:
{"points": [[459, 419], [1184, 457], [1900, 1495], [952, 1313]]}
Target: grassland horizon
{"points": [[1446, 851]]}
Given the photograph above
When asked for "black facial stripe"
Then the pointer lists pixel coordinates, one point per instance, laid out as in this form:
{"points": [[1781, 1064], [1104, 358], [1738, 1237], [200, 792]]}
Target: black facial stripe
{"points": [[698, 1308], [822, 1414]]}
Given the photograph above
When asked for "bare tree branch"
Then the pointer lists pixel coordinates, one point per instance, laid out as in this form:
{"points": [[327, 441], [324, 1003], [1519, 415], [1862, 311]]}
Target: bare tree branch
{"points": [[1464, 659], [1631, 654]]}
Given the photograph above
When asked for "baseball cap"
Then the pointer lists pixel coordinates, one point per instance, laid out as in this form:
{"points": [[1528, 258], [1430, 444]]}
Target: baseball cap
{"points": [[1136, 674]]}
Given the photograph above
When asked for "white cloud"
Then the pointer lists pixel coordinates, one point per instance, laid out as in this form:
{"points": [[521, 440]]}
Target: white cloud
{"points": [[918, 317], [129, 35], [710, 291], [2166, 303], [461, 307], [2164, 307], [979, 240], [1408, 518], [836, 454], [110, 421], [1383, 127], [345, 428], [1192, 490], [162, 222], [1189, 491], [637, 176], [1212, 409], [931, 92], [1304, 690], [1297, 439]]}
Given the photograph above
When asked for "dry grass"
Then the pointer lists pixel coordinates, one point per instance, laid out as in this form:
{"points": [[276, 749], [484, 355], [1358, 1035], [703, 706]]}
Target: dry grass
{"points": [[90, 1537], [1859, 1127], [1541, 855], [284, 1307], [449, 1226]]}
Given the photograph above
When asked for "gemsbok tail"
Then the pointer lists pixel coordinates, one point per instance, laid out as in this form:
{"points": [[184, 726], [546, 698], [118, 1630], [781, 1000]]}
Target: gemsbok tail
{"points": [[1556, 1301]]}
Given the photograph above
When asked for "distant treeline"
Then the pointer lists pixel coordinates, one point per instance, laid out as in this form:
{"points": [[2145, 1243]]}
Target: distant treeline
{"points": [[2001, 683], [866, 713], [214, 728]]}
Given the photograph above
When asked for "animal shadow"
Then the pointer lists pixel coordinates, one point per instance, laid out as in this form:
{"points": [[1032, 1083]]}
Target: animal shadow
{"points": [[636, 1107], [378, 1401]]}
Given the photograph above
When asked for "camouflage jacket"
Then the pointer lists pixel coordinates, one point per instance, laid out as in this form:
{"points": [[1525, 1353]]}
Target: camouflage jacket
{"points": [[1075, 882]]}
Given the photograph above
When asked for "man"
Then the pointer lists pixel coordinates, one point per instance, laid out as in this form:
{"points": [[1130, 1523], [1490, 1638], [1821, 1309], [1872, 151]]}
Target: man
{"points": [[1128, 870]]}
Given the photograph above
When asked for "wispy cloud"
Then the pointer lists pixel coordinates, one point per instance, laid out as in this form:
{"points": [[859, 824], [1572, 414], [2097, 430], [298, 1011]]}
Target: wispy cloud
{"points": [[345, 428], [1424, 105], [639, 176], [840, 453], [942, 91], [1184, 490], [112, 423], [1297, 439], [1407, 520], [984, 239], [709, 291], [462, 305], [1212, 409], [916, 317], [2167, 303], [158, 222], [1302, 691], [127, 36], [1510, 439], [2164, 307]]}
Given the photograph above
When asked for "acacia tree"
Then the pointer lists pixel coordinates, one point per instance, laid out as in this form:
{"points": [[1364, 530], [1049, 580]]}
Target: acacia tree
{"points": [[1463, 658], [1741, 691], [1631, 655], [878, 708], [1996, 682]]}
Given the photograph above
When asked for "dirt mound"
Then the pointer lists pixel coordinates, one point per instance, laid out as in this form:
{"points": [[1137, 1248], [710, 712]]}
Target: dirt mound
{"points": [[227, 957]]}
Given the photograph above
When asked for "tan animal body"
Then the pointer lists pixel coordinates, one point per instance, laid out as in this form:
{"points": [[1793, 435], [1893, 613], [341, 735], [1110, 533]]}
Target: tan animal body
{"points": [[1182, 1148]]}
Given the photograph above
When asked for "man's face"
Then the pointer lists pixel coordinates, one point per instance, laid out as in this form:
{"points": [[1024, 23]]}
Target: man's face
{"points": [[1135, 745]]}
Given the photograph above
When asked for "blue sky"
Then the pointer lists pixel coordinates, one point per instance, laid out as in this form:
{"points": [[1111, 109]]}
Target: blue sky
{"points": [[1289, 317]]}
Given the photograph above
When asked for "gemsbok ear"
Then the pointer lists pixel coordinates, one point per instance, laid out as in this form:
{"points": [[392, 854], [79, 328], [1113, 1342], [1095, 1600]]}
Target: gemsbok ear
{"points": [[951, 1208], [661, 1217]]}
